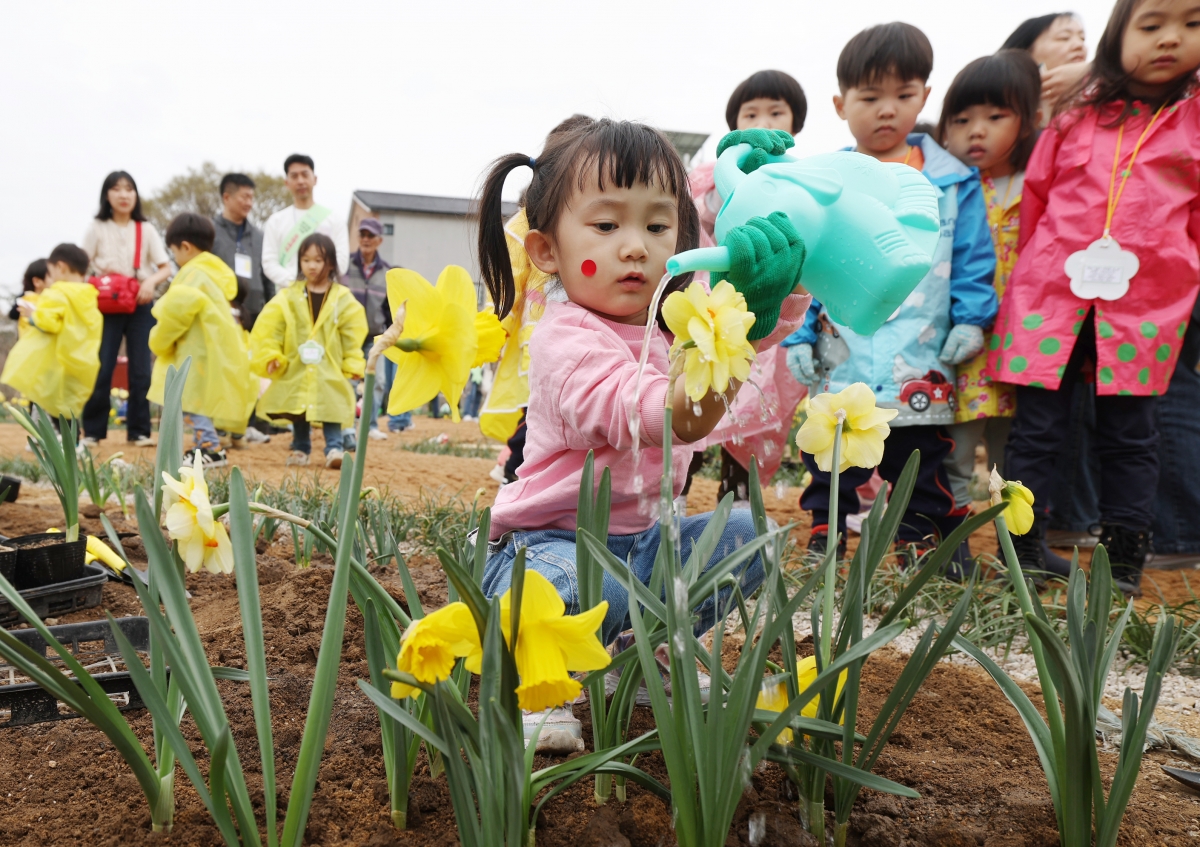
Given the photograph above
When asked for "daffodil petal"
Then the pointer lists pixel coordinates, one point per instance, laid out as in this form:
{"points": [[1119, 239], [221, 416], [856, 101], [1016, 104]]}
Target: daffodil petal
{"points": [[423, 303], [491, 337], [418, 380]]}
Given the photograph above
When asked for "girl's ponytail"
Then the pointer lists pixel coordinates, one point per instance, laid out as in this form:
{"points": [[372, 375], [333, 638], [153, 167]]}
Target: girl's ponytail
{"points": [[494, 262]]}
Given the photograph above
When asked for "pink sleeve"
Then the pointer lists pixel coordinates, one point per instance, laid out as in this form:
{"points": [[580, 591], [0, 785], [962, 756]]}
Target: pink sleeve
{"points": [[1039, 175], [597, 395], [791, 317]]}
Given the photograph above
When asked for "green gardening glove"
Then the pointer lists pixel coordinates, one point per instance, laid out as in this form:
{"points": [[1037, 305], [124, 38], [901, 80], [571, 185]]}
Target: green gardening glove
{"points": [[766, 142], [766, 257]]}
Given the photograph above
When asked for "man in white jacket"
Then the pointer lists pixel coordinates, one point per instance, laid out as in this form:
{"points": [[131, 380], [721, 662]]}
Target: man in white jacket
{"points": [[288, 227]]}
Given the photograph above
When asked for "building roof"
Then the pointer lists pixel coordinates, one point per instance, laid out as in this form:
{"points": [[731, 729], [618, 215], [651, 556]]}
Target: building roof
{"points": [[387, 201]]}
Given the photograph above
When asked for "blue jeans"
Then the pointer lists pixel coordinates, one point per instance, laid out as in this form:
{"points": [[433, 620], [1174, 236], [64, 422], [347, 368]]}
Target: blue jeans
{"points": [[551, 552], [302, 436], [1176, 529], [403, 421], [203, 431]]}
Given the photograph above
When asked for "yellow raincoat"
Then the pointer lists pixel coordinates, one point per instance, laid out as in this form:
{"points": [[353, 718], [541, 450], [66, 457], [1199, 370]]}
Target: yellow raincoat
{"points": [[55, 364], [510, 392], [23, 325], [319, 392], [194, 319]]}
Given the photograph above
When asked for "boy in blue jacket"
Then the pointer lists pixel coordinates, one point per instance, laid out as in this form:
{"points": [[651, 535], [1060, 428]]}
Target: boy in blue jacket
{"points": [[909, 363]]}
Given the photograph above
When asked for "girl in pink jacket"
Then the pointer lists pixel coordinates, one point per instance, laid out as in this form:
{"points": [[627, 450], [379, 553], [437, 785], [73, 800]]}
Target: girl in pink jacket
{"points": [[1108, 269], [607, 206]]}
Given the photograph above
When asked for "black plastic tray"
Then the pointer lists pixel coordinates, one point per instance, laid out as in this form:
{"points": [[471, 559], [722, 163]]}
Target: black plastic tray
{"points": [[8, 562], [50, 565], [25, 703], [60, 598], [10, 487]]}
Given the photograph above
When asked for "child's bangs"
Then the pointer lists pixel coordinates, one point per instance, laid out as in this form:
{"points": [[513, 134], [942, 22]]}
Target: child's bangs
{"points": [[990, 84], [626, 154]]}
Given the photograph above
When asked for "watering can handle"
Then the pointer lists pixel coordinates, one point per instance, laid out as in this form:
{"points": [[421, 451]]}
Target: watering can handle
{"points": [[702, 259]]}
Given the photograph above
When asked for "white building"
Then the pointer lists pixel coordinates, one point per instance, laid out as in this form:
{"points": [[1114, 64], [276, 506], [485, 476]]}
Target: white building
{"points": [[423, 233]]}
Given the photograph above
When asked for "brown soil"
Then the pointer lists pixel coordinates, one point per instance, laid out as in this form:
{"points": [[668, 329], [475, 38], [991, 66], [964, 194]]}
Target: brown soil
{"points": [[960, 744]]}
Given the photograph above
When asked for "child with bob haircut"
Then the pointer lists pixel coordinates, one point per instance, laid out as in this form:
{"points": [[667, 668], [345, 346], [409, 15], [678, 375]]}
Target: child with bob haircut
{"points": [[909, 363], [1109, 269], [194, 319], [32, 285], [760, 421], [989, 121], [55, 364], [308, 341], [607, 206]]}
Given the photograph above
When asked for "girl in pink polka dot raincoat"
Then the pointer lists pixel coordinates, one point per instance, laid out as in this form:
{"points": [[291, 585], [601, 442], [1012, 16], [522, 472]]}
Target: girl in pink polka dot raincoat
{"points": [[1113, 187]]}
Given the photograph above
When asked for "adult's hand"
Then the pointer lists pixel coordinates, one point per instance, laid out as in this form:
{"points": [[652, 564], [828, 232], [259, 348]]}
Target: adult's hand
{"points": [[1060, 80], [145, 292]]}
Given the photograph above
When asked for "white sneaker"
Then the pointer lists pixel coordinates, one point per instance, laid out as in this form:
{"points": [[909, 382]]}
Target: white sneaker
{"points": [[88, 441], [561, 734], [253, 436], [333, 459], [296, 457], [145, 441], [377, 435], [497, 473]]}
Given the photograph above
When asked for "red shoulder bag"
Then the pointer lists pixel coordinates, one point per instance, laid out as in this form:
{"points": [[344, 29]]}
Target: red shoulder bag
{"points": [[116, 293]]}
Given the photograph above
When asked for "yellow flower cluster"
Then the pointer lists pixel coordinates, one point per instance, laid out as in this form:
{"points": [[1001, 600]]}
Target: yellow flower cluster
{"points": [[187, 513], [711, 329], [550, 644], [774, 694], [1018, 516], [444, 337], [864, 428]]}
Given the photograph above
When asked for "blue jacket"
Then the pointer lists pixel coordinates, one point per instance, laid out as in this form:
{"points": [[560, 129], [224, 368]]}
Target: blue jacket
{"points": [[900, 361]]}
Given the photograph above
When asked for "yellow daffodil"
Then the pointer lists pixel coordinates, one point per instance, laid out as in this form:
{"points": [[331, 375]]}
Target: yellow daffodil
{"points": [[1018, 517], [550, 644], [201, 539], [864, 428], [443, 338], [432, 644], [774, 694], [716, 325]]}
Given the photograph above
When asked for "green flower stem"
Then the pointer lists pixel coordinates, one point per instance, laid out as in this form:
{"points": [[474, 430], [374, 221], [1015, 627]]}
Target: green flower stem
{"points": [[832, 541], [1054, 718]]}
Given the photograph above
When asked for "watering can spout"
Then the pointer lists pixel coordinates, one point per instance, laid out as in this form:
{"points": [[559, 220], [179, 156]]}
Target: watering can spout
{"points": [[714, 259]]}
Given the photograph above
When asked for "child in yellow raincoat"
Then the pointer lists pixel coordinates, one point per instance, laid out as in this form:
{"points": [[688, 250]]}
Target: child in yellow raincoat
{"points": [[31, 288], [55, 364], [308, 341], [195, 319]]}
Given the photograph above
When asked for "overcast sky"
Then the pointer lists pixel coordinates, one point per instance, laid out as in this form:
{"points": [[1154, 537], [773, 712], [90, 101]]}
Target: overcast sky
{"points": [[400, 96]]}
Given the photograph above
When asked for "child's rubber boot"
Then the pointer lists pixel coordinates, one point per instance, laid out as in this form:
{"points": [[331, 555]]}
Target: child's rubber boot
{"points": [[1031, 554], [1127, 551]]}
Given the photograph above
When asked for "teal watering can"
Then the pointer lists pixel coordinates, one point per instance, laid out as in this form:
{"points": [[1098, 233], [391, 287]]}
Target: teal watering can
{"points": [[870, 227]]}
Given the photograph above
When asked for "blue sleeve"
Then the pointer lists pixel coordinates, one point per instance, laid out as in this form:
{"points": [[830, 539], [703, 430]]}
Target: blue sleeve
{"points": [[973, 266], [807, 333]]}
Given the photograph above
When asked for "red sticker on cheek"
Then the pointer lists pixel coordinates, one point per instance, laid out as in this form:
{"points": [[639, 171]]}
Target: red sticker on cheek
{"points": [[588, 267]]}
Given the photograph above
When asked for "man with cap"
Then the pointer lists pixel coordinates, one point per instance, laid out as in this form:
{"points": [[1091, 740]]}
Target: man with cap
{"points": [[367, 278]]}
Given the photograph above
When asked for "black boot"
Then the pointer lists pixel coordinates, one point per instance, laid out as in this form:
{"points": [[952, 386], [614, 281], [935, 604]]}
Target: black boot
{"points": [[818, 543], [1127, 551], [1031, 554]]}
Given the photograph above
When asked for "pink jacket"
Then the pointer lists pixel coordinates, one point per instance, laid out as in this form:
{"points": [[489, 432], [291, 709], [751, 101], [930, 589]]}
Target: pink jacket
{"points": [[582, 375], [1062, 211], [759, 423]]}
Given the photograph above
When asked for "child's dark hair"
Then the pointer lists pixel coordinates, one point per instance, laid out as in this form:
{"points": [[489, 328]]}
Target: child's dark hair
{"points": [[1009, 79], [1031, 29], [898, 49], [106, 209], [232, 182], [37, 270], [298, 159], [1107, 81], [70, 255], [773, 85], [618, 152], [328, 254], [196, 230]]}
